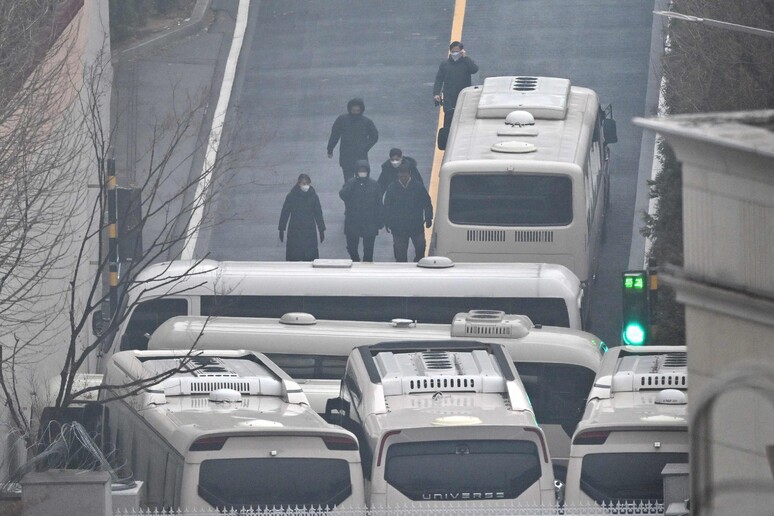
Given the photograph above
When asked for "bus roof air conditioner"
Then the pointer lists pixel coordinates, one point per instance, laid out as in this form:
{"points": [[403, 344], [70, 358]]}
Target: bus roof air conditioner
{"points": [[543, 97], [490, 323]]}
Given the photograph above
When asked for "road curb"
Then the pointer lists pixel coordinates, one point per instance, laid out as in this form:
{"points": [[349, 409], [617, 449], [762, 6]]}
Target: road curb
{"points": [[192, 26]]}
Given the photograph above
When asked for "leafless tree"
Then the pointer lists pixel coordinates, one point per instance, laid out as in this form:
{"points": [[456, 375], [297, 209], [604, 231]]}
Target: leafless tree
{"points": [[55, 147]]}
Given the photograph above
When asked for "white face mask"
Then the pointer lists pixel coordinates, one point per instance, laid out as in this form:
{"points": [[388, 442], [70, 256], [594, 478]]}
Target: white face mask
{"points": [[456, 55], [395, 163], [304, 188], [362, 174]]}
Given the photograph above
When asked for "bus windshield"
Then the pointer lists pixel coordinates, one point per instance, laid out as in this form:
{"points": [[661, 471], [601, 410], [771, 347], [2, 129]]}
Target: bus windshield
{"points": [[462, 470], [510, 200], [227, 483], [626, 477]]}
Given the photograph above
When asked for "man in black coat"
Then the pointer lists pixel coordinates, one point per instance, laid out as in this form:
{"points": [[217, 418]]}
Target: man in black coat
{"points": [[406, 206], [363, 212], [357, 134], [302, 207], [452, 77], [390, 169]]}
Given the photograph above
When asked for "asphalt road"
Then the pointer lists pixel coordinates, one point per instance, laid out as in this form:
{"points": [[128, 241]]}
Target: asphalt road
{"points": [[303, 60]]}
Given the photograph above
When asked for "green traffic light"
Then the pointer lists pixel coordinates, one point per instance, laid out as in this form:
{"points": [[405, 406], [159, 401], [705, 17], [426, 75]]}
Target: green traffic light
{"points": [[634, 334]]}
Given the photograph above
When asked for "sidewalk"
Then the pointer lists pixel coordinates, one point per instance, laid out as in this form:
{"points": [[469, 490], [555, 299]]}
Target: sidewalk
{"points": [[154, 82]]}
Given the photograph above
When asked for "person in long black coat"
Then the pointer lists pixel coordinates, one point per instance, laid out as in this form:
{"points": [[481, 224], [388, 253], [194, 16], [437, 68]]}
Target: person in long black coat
{"points": [[357, 134], [302, 207], [452, 77], [363, 212], [406, 206]]}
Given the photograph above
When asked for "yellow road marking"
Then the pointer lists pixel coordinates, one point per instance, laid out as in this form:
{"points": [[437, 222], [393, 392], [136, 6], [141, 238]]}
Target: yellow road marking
{"points": [[456, 35]]}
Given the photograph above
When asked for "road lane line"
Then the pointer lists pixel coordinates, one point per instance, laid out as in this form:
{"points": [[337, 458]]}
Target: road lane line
{"points": [[456, 35], [213, 142]]}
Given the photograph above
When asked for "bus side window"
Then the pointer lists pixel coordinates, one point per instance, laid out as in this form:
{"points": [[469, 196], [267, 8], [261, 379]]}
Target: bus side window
{"points": [[146, 317], [250, 306]]}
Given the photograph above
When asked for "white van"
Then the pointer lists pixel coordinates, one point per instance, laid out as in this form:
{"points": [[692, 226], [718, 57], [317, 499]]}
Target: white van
{"points": [[431, 291], [228, 429], [557, 365], [443, 422], [635, 424]]}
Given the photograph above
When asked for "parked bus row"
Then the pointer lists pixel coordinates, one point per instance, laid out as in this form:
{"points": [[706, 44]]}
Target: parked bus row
{"points": [[431, 291], [454, 392]]}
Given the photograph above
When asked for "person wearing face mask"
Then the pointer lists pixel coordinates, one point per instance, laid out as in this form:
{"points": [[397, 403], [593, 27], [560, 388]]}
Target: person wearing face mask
{"points": [[390, 169], [357, 134], [363, 212], [453, 75], [406, 205], [302, 207]]}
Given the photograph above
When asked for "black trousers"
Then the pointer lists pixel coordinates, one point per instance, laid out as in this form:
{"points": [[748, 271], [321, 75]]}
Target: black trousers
{"points": [[448, 116], [400, 246], [353, 241]]}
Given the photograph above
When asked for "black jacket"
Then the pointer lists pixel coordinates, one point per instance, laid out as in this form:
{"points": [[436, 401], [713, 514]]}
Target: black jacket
{"points": [[306, 218], [357, 134], [453, 76], [406, 208], [363, 206], [390, 174]]}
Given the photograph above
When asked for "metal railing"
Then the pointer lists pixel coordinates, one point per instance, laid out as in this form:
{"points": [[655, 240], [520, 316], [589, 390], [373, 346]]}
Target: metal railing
{"points": [[445, 509]]}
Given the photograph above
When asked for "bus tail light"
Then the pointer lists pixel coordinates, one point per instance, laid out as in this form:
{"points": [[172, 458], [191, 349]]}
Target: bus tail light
{"points": [[208, 444], [598, 437], [381, 445], [339, 442]]}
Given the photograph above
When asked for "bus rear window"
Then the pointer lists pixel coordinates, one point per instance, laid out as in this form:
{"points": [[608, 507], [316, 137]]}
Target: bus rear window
{"points": [[462, 470], [625, 477], [510, 200], [227, 483], [310, 367]]}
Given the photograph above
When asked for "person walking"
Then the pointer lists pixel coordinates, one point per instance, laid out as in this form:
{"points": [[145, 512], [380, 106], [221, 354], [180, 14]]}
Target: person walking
{"points": [[406, 205], [363, 212], [302, 207], [453, 75], [390, 169], [357, 134]]}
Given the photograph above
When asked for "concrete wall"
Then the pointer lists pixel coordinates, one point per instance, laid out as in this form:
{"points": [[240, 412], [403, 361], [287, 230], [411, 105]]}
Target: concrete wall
{"points": [[727, 285], [85, 42]]}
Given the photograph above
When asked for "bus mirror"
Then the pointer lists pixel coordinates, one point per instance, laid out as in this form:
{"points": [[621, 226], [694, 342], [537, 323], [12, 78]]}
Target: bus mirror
{"points": [[609, 128], [559, 491], [336, 409], [98, 323]]}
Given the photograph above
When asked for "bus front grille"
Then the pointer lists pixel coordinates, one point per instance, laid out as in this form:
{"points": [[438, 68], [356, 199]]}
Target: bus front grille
{"points": [[541, 236], [486, 235]]}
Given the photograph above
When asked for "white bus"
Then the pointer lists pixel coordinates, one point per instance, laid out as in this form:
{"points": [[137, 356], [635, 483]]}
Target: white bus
{"points": [[444, 423], [228, 430], [635, 423], [432, 291], [557, 365], [525, 175]]}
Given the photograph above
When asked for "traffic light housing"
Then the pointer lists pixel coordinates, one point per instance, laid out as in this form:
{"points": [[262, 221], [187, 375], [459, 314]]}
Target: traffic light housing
{"points": [[636, 308]]}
